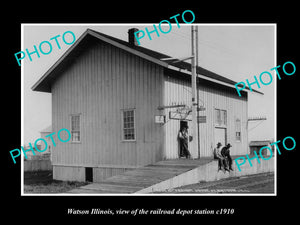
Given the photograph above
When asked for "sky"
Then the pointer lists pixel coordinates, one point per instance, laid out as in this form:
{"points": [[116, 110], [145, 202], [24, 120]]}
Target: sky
{"points": [[235, 51]]}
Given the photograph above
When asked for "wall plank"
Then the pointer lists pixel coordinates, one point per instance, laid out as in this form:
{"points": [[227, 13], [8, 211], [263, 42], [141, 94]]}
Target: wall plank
{"points": [[101, 82]]}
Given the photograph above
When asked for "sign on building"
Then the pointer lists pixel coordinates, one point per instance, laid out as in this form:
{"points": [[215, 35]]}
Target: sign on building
{"points": [[181, 113], [160, 119], [201, 119]]}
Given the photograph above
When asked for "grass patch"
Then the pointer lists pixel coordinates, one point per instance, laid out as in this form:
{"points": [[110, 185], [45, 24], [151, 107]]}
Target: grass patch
{"points": [[42, 182]]}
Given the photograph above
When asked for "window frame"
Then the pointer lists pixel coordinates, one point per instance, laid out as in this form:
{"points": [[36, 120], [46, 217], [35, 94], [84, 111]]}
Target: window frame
{"points": [[224, 125], [238, 129], [80, 125], [123, 128]]}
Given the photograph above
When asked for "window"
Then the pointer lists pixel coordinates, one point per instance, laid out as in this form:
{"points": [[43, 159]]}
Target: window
{"points": [[75, 128], [128, 125], [220, 117], [237, 129]]}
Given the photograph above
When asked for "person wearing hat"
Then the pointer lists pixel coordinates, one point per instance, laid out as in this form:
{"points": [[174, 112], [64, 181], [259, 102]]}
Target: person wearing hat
{"points": [[225, 152], [183, 142], [221, 160]]}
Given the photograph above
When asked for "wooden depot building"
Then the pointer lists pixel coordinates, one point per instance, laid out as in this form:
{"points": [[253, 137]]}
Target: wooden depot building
{"points": [[124, 105]]}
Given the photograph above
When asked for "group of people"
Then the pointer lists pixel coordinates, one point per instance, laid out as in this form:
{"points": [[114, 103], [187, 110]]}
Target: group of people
{"points": [[222, 154]]}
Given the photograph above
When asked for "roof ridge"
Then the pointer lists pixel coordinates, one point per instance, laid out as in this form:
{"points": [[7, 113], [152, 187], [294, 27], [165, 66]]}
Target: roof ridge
{"points": [[148, 54], [180, 65]]}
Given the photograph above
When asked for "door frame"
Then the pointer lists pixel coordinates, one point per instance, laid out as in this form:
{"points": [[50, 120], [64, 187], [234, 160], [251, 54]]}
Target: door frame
{"points": [[220, 127], [178, 143]]}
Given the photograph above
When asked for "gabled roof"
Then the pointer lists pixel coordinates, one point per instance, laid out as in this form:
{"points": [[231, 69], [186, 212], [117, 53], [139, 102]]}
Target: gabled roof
{"points": [[44, 83]]}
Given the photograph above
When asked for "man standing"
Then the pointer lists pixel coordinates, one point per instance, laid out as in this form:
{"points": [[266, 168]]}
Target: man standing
{"points": [[221, 160], [225, 152], [183, 142]]}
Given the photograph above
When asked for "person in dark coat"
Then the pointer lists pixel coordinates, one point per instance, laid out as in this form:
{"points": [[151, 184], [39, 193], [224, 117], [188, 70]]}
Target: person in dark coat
{"points": [[225, 152], [183, 142]]}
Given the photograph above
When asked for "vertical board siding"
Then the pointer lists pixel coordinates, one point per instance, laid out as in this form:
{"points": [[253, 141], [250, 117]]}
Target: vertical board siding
{"points": [[178, 91], [104, 80], [98, 85]]}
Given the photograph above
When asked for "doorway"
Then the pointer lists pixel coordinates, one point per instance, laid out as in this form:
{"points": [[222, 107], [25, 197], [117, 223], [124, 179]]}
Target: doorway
{"points": [[183, 123], [89, 174], [220, 136]]}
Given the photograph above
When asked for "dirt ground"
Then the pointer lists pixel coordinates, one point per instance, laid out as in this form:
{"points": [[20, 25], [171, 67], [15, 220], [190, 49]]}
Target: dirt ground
{"points": [[42, 182]]}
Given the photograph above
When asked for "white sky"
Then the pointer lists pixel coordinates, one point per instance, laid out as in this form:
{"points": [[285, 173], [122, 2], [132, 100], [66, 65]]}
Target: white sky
{"points": [[237, 52]]}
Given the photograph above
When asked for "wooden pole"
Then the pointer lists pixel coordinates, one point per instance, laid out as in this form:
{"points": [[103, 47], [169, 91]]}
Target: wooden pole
{"points": [[194, 143], [197, 58]]}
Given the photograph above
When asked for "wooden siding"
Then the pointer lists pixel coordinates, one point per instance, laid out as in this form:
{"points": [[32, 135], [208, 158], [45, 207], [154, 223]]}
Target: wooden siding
{"points": [[178, 91], [101, 82]]}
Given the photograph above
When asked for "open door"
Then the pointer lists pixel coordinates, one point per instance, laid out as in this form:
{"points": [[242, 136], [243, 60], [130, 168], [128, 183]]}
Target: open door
{"points": [[184, 123]]}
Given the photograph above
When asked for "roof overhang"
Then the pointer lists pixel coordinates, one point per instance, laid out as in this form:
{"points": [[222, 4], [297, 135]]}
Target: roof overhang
{"points": [[171, 67]]}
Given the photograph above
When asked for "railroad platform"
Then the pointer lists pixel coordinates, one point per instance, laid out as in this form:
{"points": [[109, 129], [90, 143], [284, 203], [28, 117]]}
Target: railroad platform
{"points": [[170, 174]]}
